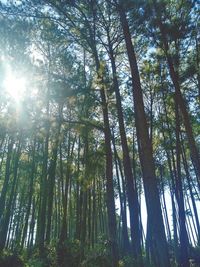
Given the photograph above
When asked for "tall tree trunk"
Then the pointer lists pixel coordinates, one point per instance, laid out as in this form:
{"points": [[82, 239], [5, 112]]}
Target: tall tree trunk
{"points": [[7, 178], [184, 260], [189, 178], [129, 178], [51, 180], [30, 195], [146, 157], [109, 168], [181, 102], [41, 221], [7, 216], [125, 237]]}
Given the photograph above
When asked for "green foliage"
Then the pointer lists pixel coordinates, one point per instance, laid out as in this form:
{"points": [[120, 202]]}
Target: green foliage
{"points": [[11, 259], [35, 262], [47, 259], [96, 260], [127, 261], [69, 253], [98, 256]]}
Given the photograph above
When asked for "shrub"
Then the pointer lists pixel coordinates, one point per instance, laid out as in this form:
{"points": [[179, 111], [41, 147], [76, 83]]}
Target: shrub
{"points": [[10, 259], [69, 253]]}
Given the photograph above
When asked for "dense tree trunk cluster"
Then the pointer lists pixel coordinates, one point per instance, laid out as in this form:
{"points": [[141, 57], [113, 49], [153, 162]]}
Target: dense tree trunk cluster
{"points": [[99, 133]]}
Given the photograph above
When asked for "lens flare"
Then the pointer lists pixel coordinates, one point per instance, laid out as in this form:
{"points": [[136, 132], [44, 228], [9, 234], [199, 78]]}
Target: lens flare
{"points": [[15, 86]]}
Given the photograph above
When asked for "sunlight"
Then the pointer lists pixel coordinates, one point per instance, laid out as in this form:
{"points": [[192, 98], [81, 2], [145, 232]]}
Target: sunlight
{"points": [[15, 86]]}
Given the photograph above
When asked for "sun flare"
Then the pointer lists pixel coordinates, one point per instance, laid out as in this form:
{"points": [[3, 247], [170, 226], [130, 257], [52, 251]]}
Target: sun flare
{"points": [[15, 86]]}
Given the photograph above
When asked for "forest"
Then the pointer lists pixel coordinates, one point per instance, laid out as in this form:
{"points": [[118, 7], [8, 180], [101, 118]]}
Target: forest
{"points": [[99, 133]]}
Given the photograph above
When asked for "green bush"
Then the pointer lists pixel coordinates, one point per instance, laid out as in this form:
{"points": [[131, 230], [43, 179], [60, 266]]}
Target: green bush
{"points": [[48, 258], [69, 253], [11, 259], [99, 256]]}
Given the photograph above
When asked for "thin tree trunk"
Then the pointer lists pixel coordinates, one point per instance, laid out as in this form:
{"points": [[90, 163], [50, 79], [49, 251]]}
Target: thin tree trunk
{"points": [[125, 238], [129, 178], [181, 102], [184, 260], [109, 172], [7, 216], [7, 178], [30, 195]]}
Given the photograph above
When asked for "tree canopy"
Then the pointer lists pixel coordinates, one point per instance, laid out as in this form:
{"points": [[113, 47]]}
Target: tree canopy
{"points": [[99, 133]]}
